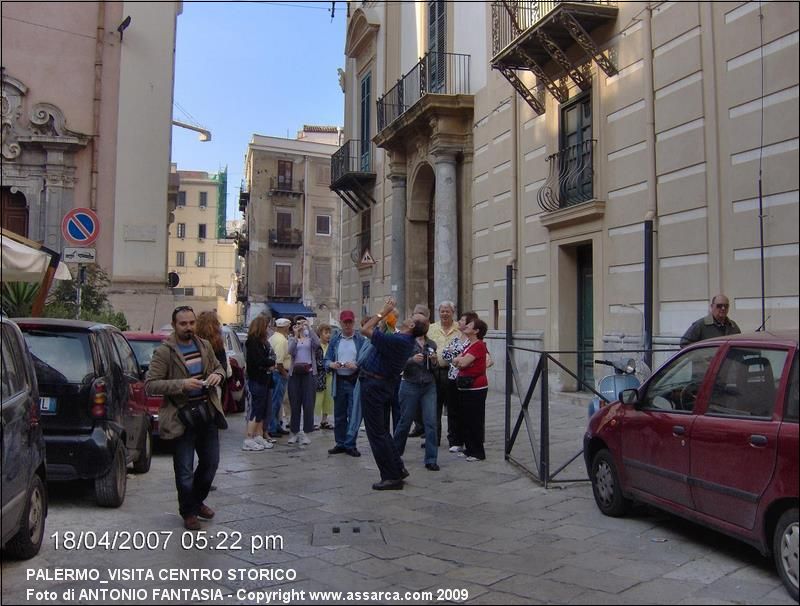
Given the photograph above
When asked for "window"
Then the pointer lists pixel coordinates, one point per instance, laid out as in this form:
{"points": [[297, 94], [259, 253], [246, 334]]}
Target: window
{"points": [[365, 236], [575, 155], [792, 411], [364, 125], [676, 386], [201, 259], [365, 299], [323, 225], [437, 45], [181, 230], [283, 280], [126, 356], [747, 383], [13, 374], [285, 174], [181, 198], [180, 259], [201, 231], [322, 277], [203, 199]]}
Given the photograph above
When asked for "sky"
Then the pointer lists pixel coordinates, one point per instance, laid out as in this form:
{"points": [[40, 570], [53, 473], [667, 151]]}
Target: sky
{"points": [[244, 68]]}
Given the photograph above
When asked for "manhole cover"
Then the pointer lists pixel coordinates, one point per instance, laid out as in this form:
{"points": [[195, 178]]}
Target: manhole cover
{"points": [[347, 532]]}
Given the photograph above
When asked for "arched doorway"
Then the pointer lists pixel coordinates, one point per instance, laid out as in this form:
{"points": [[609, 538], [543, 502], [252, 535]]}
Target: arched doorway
{"points": [[420, 231], [14, 211]]}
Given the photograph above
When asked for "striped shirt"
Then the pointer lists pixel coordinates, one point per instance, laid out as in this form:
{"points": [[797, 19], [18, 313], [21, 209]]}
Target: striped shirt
{"points": [[194, 362]]}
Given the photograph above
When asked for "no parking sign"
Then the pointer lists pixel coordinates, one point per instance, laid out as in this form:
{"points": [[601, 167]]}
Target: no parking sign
{"points": [[80, 226]]}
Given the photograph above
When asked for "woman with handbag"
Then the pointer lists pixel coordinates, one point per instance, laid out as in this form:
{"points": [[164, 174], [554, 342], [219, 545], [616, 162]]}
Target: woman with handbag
{"points": [[473, 386], [303, 345], [451, 351], [260, 362]]}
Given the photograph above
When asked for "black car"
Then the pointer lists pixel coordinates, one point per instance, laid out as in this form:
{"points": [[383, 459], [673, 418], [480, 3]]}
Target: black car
{"points": [[23, 482], [93, 403]]}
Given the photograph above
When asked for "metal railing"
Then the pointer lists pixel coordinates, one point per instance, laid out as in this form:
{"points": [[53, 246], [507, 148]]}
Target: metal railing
{"points": [[436, 73], [513, 17], [285, 237], [571, 177], [353, 157], [276, 184], [284, 291]]}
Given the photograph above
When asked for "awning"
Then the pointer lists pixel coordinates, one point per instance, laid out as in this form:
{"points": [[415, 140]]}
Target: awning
{"points": [[23, 263], [289, 310]]}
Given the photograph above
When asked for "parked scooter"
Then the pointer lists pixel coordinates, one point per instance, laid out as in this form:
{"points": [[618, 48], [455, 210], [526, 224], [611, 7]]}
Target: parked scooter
{"points": [[623, 377]]}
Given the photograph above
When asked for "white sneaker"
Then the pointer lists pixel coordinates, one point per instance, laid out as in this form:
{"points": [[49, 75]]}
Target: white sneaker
{"points": [[304, 441], [265, 444], [292, 439], [471, 459], [250, 444], [456, 449]]}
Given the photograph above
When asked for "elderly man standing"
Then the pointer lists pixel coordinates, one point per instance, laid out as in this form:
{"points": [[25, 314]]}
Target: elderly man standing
{"points": [[182, 370], [341, 360], [443, 333], [279, 342], [715, 324]]}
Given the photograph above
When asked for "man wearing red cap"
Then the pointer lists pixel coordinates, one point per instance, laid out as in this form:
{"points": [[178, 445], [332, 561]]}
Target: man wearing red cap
{"points": [[341, 361]]}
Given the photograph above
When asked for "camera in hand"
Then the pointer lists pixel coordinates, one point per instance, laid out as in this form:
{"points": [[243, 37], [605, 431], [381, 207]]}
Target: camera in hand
{"points": [[429, 353]]}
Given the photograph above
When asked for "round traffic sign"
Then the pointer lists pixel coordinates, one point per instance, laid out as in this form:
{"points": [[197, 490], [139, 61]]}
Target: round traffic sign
{"points": [[80, 226]]}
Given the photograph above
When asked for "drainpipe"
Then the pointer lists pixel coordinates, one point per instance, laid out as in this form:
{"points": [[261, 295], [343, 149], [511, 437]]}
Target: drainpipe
{"points": [[517, 227], [98, 81], [651, 213], [306, 251]]}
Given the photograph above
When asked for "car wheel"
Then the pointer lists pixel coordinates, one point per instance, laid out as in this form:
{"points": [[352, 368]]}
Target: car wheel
{"points": [[109, 490], [26, 543], [142, 464], [606, 486], [784, 547]]}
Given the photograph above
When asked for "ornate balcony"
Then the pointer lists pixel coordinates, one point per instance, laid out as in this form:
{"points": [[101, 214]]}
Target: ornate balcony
{"points": [[532, 35], [353, 174], [242, 243], [241, 292], [284, 292], [571, 177], [244, 197], [285, 238], [286, 187]]}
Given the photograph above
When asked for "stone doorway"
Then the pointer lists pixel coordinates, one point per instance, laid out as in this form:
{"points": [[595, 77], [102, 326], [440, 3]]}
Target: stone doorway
{"points": [[420, 230]]}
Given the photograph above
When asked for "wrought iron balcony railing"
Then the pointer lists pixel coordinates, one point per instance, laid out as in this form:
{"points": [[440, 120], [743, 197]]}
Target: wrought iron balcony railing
{"points": [[354, 156], [436, 73], [284, 291], [514, 17], [286, 186], [288, 238], [571, 178]]}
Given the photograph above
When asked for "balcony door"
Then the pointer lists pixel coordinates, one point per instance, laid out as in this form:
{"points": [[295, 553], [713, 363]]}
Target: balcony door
{"points": [[437, 45], [284, 226], [364, 126], [575, 171], [14, 212], [283, 280], [285, 174]]}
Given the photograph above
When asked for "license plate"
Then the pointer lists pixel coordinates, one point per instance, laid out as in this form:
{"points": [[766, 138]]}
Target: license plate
{"points": [[47, 405]]}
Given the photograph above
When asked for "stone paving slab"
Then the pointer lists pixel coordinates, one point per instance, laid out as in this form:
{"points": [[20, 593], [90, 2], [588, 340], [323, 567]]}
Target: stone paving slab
{"points": [[483, 528]]}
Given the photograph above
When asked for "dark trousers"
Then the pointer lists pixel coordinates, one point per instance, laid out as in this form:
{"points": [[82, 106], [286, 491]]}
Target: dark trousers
{"points": [[342, 409], [473, 406], [302, 395], [194, 484], [376, 399], [455, 415]]}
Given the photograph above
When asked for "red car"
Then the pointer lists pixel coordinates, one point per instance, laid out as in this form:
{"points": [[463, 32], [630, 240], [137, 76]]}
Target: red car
{"points": [[144, 344], [712, 436]]}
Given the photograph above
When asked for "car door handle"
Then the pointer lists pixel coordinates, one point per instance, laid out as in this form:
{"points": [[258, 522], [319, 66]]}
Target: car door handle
{"points": [[757, 440], [678, 430]]}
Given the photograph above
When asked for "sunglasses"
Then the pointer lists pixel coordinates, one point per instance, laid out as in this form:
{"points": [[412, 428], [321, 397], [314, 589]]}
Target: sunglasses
{"points": [[178, 310], [722, 305]]}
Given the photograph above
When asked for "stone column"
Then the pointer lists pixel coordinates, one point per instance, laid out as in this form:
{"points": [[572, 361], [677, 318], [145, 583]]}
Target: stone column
{"points": [[445, 272], [398, 282]]}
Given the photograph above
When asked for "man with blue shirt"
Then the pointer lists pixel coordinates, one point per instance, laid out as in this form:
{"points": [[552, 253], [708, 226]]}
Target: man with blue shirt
{"points": [[341, 360], [378, 378]]}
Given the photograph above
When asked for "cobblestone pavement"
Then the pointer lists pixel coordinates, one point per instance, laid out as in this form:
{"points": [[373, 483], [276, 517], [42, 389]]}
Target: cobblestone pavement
{"points": [[482, 531]]}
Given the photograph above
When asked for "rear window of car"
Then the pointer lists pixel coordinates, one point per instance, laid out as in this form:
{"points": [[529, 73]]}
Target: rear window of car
{"points": [[144, 350], [60, 357]]}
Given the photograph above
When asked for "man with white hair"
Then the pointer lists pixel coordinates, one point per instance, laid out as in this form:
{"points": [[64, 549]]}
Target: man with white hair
{"points": [[443, 333], [279, 342]]}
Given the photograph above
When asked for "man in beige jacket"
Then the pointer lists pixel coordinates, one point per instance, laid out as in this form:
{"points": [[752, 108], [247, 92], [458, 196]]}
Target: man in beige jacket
{"points": [[185, 371]]}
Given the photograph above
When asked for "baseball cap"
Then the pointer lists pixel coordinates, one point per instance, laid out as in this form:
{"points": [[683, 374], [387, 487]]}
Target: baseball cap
{"points": [[347, 315], [282, 322]]}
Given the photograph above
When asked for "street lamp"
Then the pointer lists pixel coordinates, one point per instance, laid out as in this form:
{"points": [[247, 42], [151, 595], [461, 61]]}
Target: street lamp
{"points": [[205, 135]]}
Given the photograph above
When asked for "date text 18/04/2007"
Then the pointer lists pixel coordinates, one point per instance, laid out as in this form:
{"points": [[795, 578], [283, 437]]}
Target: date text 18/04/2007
{"points": [[153, 540]]}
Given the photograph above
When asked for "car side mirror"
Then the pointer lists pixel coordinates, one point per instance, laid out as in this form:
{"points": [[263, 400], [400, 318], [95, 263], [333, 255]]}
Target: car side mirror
{"points": [[629, 396]]}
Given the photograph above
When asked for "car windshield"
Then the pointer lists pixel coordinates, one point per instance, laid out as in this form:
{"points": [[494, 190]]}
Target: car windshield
{"points": [[144, 351], [60, 357]]}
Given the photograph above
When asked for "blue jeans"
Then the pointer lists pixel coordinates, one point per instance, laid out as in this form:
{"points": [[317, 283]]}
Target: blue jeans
{"points": [[278, 389], [342, 411], [356, 416], [414, 396], [194, 484], [376, 397]]}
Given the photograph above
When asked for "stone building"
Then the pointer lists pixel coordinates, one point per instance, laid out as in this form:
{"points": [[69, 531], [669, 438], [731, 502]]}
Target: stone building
{"points": [[290, 238], [615, 155]]}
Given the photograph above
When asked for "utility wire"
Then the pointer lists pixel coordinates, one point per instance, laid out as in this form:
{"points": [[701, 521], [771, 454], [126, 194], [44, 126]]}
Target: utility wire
{"points": [[55, 29]]}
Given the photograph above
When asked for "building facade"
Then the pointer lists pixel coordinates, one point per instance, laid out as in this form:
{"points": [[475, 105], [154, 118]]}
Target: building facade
{"points": [[290, 239], [615, 155], [87, 110], [200, 251]]}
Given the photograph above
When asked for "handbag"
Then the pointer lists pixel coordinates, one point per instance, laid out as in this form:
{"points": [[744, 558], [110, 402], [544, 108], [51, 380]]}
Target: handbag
{"points": [[464, 382], [301, 369], [194, 415]]}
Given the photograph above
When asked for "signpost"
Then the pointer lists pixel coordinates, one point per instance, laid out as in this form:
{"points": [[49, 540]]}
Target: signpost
{"points": [[80, 227]]}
